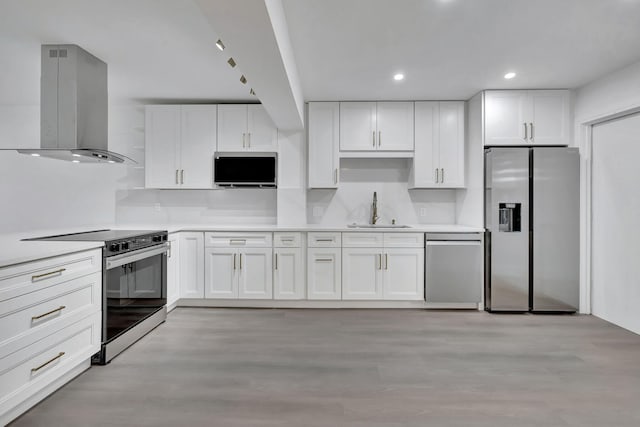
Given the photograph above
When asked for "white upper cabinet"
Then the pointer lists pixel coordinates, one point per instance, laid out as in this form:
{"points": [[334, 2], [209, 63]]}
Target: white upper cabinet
{"points": [[439, 148], [323, 127], [245, 127], [376, 126], [180, 142], [531, 117]]}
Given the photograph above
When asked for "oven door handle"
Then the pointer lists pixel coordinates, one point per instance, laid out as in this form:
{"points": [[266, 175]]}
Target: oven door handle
{"points": [[118, 260]]}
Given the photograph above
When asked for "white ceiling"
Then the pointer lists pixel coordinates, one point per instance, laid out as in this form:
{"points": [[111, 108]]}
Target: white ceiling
{"points": [[156, 49], [451, 49]]}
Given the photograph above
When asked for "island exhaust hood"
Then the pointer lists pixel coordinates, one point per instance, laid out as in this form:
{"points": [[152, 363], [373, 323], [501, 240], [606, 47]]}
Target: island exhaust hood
{"points": [[73, 107]]}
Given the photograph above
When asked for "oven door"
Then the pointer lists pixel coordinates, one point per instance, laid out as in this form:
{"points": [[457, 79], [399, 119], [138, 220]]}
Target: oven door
{"points": [[135, 287]]}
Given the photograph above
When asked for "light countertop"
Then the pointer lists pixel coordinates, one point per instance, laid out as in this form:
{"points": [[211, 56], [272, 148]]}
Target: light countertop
{"points": [[15, 251]]}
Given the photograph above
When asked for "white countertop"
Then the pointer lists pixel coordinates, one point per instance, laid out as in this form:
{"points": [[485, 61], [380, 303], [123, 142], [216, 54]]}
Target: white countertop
{"points": [[13, 250]]}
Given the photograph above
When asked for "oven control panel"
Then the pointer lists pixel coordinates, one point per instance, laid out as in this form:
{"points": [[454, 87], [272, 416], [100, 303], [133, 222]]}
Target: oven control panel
{"points": [[134, 243]]}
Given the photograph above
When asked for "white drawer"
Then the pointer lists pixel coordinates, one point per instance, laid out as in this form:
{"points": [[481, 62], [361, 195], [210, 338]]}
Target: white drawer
{"points": [[21, 279], [30, 317], [362, 240], [25, 372], [287, 240], [404, 240], [249, 240], [324, 240]]}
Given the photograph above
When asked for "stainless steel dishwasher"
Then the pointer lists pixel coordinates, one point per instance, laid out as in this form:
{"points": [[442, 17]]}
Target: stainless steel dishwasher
{"points": [[454, 267]]}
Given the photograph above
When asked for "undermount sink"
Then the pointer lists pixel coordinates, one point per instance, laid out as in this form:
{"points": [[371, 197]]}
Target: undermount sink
{"points": [[378, 226]]}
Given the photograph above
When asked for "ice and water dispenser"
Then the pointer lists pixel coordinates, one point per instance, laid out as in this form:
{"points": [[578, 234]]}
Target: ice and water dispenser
{"points": [[509, 217]]}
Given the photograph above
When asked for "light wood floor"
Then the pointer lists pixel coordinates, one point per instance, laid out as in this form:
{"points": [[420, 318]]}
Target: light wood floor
{"points": [[234, 367]]}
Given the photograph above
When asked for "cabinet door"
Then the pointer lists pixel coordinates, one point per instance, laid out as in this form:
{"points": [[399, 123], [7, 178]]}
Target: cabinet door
{"points": [[454, 271], [361, 273], [451, 143], [197, 146], [288, 273], [162, 142], [403, 274], [323, 125], [221, 273], [358, 126], [505, 115], [191, 265], [232, 127], [262, 134], [425, 161], [395, 126], [255, 274], [549, 117], [173, 270], [324, 273]]}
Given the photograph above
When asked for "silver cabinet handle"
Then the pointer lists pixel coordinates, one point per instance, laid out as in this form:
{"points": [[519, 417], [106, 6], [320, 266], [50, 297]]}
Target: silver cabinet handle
{"points": [[249, 140], [379, 138], [40, 276], [436, 171], [335, 176], [386, 261], [525, 132], [276, 260], [323, 260], [324, 240], [244, 135], [182, 176], [62, 307], [238, 241], [379, 261], [53, 359], [442, 176], [374, 138], [234, 261], [240, 262], [177, 180], [531, 131]]}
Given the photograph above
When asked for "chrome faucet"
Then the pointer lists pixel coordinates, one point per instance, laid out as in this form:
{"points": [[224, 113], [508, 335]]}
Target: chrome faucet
{"points": [[374, 209]]}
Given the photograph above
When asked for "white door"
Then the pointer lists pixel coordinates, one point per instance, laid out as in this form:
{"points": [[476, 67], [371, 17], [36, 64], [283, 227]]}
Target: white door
{"points": [[262, 134], [451, 144], [395, 126], [198, 146], [358, 126], [324, 269], [615, 207], [361, 273], [288, 273], [255, 274], [221, 273], [191, 265], [173, 269], [232, 127], [549, 117], [425, 171], [324, 132], [403, 274], [162, 142], [506, 114]]}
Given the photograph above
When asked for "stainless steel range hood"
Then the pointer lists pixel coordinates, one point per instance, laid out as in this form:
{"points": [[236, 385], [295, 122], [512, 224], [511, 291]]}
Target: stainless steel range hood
{"points": [[74, 107]]}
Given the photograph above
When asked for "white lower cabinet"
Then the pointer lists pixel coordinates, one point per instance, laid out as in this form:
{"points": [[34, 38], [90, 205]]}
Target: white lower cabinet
{"points": [[403, 274], [362, 273], [324, 273], [191, 265], [255, 277], [288, 273], [221, 273]]}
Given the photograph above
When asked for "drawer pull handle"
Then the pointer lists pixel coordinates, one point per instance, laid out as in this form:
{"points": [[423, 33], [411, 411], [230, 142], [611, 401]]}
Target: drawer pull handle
{"points": [[39, 276], [324, 240], [62, 307], [36, 369], [286, 240], [324, 260], [238, 241]]}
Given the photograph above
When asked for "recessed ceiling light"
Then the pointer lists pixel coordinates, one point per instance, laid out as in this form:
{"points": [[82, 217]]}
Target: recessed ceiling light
{"points": [[231, 62], [220, 45], [243, 79], [252, 92], [110, 161], [75, 161], [397, 77], [35, 154], [509, 75]]}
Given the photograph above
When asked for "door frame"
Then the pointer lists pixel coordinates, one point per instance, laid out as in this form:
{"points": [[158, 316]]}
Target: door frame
{"points": [[584, 142]]}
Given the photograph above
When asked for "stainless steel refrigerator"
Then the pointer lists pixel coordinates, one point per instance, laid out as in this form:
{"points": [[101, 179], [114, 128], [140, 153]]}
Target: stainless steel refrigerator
{"points": [[532, 219]]}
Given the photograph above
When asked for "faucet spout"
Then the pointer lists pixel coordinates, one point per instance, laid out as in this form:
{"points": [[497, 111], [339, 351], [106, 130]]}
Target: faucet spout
{"points": [[374, 209]]}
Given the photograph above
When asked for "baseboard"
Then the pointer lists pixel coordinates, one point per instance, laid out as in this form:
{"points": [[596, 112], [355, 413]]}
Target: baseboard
{"points": [[248, 303]]}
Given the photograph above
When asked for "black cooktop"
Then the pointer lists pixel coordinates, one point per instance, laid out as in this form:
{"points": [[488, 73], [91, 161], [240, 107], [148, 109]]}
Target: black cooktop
{"points": [[99, 235]]}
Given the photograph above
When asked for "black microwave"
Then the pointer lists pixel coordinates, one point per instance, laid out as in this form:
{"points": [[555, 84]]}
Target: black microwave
{"points": [[244, 171]]}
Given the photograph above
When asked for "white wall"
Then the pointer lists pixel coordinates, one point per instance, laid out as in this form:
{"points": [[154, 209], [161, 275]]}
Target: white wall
{"points": [[39, 193], [359, 178]]}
